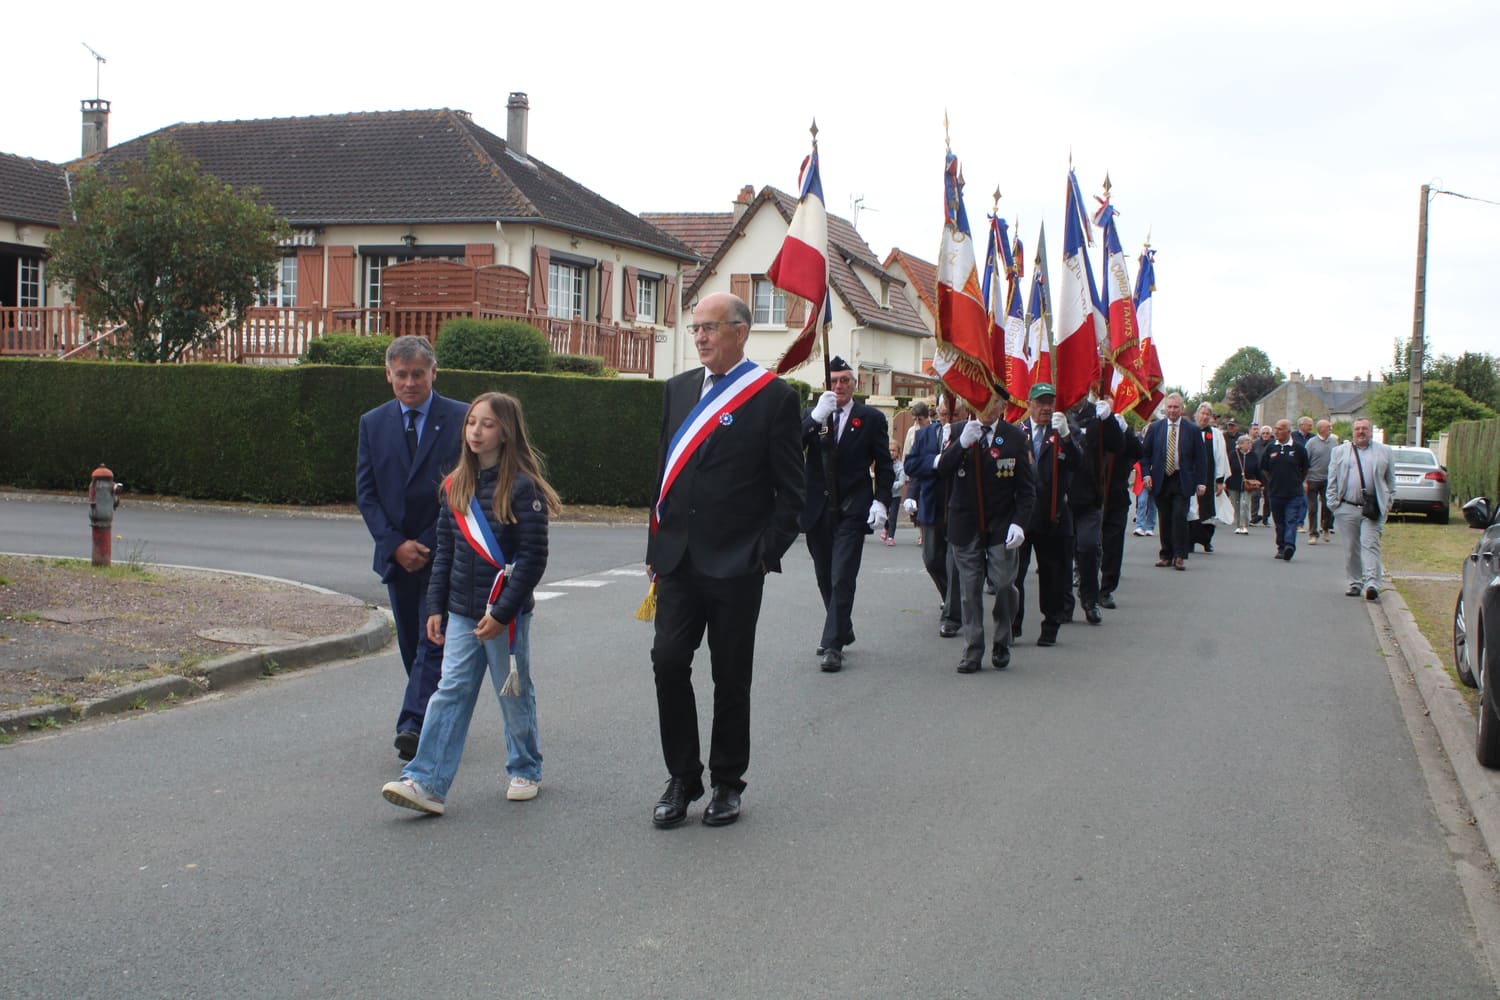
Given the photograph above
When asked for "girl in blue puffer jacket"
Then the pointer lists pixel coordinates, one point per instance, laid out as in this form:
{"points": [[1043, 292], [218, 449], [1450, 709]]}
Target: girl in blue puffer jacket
{"points": [[490, 555]]}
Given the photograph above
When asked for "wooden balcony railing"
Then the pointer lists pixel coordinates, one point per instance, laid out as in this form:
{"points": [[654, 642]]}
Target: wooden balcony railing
{"points": [[280, 335]]}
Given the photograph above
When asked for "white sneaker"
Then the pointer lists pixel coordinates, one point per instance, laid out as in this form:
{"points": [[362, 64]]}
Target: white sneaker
{"points": [[1312, 539], [409, 795], [1139, 533], [521, 789]]}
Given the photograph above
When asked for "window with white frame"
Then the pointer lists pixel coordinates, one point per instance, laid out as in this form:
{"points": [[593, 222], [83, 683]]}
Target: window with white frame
{"points": [[567, 290], [770, 304], [283, 291], [29, 283], [645, 299]]}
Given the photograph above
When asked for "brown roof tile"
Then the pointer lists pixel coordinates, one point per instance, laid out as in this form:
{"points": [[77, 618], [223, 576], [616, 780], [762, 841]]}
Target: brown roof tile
{"points": [[920, 275], [32, 191]]}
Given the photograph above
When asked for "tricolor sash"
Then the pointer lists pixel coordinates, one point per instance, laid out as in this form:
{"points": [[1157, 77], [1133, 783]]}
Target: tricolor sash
{"points": [[475, 528], [716, 408]]}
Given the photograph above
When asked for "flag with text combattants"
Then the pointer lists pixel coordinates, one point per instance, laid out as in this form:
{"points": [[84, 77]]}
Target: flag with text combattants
{"points": [[801, 265], [1145, 287], [962, 358], [1037, 351], [1076, 354], [1128, 378]]}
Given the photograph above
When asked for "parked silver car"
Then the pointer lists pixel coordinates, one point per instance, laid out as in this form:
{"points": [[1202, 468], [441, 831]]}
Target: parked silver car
{"points": [[1421, 484], [1476, 627]]}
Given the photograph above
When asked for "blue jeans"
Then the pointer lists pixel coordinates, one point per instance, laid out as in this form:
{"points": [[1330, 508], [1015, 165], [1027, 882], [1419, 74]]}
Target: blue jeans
{"points": [[1145, 512], [465, 659], [1288, 512]]}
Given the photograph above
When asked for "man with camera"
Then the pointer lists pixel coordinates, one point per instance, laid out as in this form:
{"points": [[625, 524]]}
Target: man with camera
{"points": [[1361, 486]]}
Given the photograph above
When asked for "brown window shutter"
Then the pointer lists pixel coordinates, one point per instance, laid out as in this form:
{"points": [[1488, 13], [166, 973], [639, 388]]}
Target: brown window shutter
{"points": [[627, 298], [607, 292], [669, 302], [740, 287], [310, 276], [340, 277], [794, 310], [479, 254], [540, 258]]}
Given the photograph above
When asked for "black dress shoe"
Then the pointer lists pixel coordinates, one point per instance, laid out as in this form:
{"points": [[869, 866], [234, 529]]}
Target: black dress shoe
{"points": [[723, 808], [406, 743], [671, 808], [833, 661], [1208, 546], [1107, 600], [947, 630], [1000, 658], [1092, 616], [1015, 631], [968, 667], [1048, 636]]}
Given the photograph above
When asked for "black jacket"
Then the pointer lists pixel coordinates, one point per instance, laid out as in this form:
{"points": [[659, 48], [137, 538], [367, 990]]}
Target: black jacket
{"points": [[1003, 473], [863, 443], [461, 578], [1285, 468]]}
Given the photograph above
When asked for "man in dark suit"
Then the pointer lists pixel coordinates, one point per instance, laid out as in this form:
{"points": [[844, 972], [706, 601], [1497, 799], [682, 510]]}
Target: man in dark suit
{"points": [[1099, 438], [726, 512], [1174, 469], [841, 440], [931, 503], [406, 446], [1117, 510], [1050, 530], [991, 488]]}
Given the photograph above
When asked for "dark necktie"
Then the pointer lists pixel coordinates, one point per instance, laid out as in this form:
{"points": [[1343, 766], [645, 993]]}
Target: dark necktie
{"points": [[1036, 441], [837, 413], [411, 433]]}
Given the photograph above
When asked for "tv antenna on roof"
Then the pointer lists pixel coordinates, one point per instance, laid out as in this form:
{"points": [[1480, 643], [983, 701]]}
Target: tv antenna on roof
{"points": [[857, 205], [99, 61]]}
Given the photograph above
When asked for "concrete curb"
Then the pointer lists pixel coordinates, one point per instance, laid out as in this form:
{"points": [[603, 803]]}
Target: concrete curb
{"points": [[216, 675], [1451, 716]]}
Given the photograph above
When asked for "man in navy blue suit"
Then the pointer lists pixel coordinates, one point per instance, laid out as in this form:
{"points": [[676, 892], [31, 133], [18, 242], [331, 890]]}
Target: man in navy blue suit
{"points": [[1173, 476], [930, 507], [406, 446]]}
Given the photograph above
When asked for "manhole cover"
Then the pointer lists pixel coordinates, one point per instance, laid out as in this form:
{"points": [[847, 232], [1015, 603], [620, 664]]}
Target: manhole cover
{"points": [[252, 636]]}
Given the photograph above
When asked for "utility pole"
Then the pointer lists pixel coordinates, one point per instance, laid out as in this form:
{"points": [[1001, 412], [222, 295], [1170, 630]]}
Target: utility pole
{"points": [[1416, 351]]}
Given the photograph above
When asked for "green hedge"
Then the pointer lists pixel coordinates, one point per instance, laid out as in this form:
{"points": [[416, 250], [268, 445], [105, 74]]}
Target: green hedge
{"points": [[347, 349], [492, 345], [289, 435], [1474, 459]]}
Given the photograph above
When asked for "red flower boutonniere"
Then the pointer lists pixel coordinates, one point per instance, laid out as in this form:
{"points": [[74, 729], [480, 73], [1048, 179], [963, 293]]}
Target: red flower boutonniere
{"points": [[854, 422]]}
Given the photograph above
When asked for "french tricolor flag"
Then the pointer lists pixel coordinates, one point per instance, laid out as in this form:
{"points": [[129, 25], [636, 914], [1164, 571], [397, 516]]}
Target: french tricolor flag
{"points": [[964, 357], [801, 266], [1145, 285], [1076, 356]]}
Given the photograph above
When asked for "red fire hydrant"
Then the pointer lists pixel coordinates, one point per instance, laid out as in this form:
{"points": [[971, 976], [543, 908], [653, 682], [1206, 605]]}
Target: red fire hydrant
{"points": [[103, 493]]}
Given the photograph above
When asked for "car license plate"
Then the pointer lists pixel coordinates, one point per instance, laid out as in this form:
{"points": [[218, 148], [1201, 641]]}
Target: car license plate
{"points": [[1408, 479]]}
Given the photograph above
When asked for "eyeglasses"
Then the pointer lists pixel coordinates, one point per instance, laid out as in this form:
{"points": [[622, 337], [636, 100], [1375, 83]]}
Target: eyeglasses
{"points": [[710, 326], [841, 380]]}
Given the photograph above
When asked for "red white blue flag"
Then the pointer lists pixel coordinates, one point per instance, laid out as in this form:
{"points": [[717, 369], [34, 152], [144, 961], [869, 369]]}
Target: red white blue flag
{"points": [[1037, 349], [963, 357], [1128, 381], [1145, 286], [1076, 355], [801, 265]]}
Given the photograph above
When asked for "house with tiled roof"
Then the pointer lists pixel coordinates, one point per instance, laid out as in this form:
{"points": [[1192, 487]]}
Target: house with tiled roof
{"points": [[1320, 398], [921, 291], [33, 201], [367, 192], [875, 326]]}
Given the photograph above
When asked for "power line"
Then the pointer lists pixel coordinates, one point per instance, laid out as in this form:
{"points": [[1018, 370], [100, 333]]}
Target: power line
{"points": [[1465, 197]]}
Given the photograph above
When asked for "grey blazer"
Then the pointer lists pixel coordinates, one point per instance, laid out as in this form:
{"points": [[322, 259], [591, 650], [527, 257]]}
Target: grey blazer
{"points": [[1379, 470]]}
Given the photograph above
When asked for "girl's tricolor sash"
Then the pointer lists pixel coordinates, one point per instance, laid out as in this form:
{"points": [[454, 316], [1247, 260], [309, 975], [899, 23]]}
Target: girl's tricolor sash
{"points": [[475, 528], [716, 408]]}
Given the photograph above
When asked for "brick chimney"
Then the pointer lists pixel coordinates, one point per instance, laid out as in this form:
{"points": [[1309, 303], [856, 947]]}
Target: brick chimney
{"points": [[742, 201], [515, 122], [95, 126]]}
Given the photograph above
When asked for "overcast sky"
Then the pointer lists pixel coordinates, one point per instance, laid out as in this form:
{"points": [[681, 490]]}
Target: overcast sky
{"points": [[1274, 151]]}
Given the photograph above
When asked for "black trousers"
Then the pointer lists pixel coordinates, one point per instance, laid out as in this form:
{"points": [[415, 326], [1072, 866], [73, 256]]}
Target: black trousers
{"points": [[1054, 575], [1171, 519], [1088, 527], [837, 545], [1116, 519], [688, 604]]}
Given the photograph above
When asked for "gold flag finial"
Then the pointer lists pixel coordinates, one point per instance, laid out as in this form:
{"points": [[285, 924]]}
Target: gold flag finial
{"points": [[1106, 185], [996, 207]]}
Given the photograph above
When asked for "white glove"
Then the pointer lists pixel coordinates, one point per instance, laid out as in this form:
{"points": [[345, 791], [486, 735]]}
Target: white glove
{"points": [[1103, 409], [1015, 536], [973, 431], [824, 407], [877, 515], [1121, 421], [1060, 423], [909, 505]]}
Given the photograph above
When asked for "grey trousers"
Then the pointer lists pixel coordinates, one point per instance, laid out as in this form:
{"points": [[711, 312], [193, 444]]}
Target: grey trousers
{"points": [[1360, 538], [937, 558], [976, 561]]}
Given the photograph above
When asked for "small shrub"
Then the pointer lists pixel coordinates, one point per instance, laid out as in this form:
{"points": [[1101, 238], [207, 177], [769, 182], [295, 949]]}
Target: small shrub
{"points": [[347, 349], [505, 345], [582, 364]]}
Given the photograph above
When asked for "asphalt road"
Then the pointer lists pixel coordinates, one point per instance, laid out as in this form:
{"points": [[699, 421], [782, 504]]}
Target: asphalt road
{"points": [[1212, 795]]}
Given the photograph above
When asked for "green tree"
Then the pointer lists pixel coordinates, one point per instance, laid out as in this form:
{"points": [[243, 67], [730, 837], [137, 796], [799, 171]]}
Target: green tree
{"points": [[1245, 361], [1474, 374], [165, 250], [1442, 404]]}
